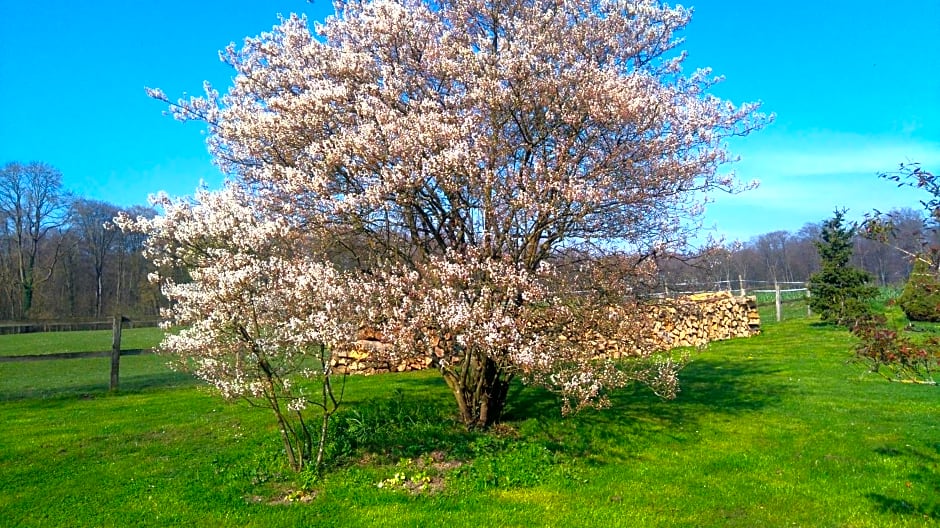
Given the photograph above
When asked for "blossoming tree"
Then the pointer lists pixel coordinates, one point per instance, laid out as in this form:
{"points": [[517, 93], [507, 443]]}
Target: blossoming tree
{"points": [[449, 152], [259, 314]]}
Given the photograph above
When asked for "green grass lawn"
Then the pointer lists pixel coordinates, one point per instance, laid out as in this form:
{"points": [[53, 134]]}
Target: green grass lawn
{"points": [[776, 430], [82, 341]]}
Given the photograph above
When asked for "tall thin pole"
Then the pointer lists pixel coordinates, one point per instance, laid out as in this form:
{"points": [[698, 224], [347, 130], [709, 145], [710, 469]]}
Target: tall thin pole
{"points": [[778, 301], [115, 351]]}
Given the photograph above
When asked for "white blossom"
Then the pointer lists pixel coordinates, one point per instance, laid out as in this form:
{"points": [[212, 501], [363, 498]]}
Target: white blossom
{"points": [[446, 151]]}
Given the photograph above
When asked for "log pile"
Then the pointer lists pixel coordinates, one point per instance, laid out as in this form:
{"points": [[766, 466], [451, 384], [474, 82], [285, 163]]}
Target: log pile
{"points": [[370, 354], [699, 319], [691, 321], [357, 359]]}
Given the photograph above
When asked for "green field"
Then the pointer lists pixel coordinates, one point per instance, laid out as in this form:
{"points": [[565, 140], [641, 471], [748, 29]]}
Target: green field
{"points": [[87, 341], [781, 429]]}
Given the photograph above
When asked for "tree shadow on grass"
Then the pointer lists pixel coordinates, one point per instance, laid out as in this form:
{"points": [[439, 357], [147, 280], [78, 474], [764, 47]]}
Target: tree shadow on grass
{"points": [[710, 390], [413, 415], [926, 476], [389, 417], [901, 507], [723, 386], [404, 424], [127, 384]]}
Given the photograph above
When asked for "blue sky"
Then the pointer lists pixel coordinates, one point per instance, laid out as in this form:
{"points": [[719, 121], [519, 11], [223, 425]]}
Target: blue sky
{"points": [[855, 87]]}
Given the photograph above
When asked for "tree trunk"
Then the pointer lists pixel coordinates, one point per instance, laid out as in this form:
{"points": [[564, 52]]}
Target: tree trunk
{"points": [[480, 387], [98, 289], [27, 299]]}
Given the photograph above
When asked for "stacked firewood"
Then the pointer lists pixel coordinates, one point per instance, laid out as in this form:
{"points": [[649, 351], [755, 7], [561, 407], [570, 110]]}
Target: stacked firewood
{"points": [[699, 319], [690, 321], [371, 353]]}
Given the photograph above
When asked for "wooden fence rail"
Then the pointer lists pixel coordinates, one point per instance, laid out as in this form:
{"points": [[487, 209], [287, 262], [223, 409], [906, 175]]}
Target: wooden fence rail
{"points": [[779, 288], [778, 299], [7, 328], [117, 323], [74, 355]]}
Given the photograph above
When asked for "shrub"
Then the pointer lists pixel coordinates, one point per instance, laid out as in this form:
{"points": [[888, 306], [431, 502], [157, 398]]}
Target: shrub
{"points": [[893, 356], [920, 299]]}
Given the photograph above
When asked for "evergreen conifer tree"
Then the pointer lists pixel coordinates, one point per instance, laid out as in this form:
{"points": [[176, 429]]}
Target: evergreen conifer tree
{"points": [[839, 292]]}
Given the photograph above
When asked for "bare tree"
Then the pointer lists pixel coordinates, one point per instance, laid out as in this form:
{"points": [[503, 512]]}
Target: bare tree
{"points": [[133, 292], [772, 247], [887, 258], [882, 227], [8, 293], [97, 241], [802, 256], [32, 205]]}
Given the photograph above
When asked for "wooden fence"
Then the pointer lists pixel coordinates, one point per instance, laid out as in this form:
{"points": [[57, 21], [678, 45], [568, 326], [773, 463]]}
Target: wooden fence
{"points": [[28, 327], [778, 296], [745, 288], [117, 324]]}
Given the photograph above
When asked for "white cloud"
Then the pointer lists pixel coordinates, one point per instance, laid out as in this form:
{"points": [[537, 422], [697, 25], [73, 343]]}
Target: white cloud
{"points": [[831, 153], [804, 178]]}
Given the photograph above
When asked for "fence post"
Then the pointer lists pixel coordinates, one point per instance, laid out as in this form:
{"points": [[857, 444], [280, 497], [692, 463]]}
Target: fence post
{"points": [[809, 309], [778, 301], [741, 285], [116, 350]]}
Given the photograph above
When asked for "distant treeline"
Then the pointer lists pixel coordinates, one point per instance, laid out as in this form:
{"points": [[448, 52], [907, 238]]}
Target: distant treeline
{"points": [[60, 259], [783, 256]]}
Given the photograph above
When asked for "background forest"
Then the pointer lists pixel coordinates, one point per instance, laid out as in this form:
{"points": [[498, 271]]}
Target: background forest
{"points": [[59, 256], [60, 259]]}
